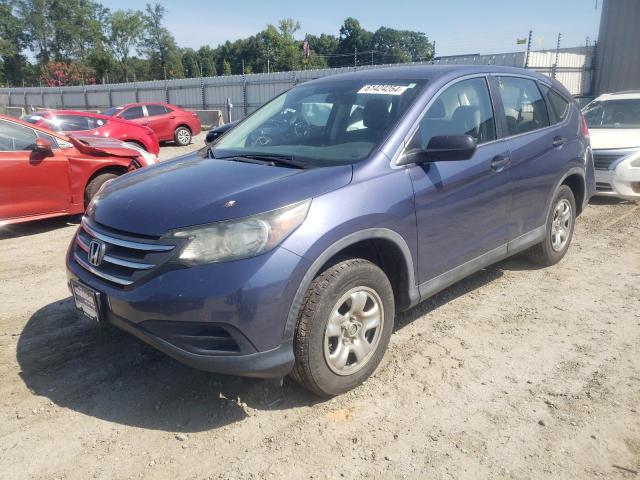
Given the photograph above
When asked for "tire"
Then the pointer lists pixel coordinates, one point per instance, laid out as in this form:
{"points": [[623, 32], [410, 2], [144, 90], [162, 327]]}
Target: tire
{"points": [[322, 364], [559, 229], [94, 185], [182, 136]]}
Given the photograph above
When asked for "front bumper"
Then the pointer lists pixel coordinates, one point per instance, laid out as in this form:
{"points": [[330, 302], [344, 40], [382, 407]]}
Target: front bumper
{"points": [[226, 318], [623, 181]]}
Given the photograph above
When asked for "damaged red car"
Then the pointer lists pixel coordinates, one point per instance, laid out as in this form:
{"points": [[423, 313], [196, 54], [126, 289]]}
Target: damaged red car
{"points": [[47, 174]]}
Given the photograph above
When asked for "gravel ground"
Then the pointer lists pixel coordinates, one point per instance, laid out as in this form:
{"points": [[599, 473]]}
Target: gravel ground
{"points": [[516, 372]]}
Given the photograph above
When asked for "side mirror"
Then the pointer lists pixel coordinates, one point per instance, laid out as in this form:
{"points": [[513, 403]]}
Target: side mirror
{"points": [[442, 148], [43, 146]]}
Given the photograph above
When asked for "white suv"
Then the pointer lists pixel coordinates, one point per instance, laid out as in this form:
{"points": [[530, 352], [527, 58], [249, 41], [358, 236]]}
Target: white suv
{"points": [[614, 126]]}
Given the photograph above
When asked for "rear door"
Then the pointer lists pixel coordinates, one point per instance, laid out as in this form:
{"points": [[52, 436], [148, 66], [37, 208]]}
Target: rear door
{"points": [[462, 207], [538, 148], [30, 183], [161, 121]]}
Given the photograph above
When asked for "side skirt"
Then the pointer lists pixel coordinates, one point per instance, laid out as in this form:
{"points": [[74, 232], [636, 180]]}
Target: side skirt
{"points": [[439, 283]]}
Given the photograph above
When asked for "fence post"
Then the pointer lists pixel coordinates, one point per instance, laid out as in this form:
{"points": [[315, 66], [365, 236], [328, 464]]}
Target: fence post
{"points": [[555, 62], [229, 106], [135, 91], [61, 97], [245, 104], [86, 98], [42, 96], [25, 100], [526, 58], [109, 96], [202, 92], [9, 98]]}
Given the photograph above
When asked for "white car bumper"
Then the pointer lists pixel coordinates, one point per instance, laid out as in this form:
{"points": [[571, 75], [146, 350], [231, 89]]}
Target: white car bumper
{"points": [[620, 179]]}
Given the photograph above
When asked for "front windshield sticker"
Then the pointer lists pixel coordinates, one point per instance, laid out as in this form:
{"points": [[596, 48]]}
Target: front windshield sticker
{"points": [[385, 89]]}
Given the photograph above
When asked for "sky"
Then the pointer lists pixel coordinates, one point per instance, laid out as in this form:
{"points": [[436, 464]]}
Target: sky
{"points": [[457, 26]]}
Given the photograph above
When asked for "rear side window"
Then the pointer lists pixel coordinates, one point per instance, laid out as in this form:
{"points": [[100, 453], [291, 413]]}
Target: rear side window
{"points": [[559, 106], [462, 109], [69, 123], [154, 110], [15, 137], [132, 113], [524, 107]]}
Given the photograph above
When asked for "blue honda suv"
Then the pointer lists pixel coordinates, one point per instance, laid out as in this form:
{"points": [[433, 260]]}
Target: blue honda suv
{"points": [[289, 245]]}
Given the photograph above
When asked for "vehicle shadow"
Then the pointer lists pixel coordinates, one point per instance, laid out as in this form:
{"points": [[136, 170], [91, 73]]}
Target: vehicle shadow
{"points": [[110, 375], [36, 227], [601, 200]]}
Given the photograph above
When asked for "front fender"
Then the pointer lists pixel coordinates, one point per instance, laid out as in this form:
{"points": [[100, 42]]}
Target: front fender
{"points": [[379, 208]]}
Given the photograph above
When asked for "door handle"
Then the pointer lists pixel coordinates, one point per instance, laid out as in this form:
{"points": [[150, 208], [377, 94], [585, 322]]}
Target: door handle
{"points": [[172, 117], [499, 162], [559, 141]]}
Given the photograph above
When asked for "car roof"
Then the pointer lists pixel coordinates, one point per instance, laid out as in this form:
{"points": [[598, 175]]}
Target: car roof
{"points": [[72, 112], [139, 104], [34, 127], [627, 95], [429, 72]]}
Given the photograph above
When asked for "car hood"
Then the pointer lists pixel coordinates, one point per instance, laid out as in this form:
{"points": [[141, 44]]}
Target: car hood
{"points": [[98, 145], [611, 138], [190, 190]]}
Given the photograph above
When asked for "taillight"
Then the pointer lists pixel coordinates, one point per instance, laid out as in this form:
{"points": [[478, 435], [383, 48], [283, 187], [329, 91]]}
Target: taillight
{"points": [[585, 126]]}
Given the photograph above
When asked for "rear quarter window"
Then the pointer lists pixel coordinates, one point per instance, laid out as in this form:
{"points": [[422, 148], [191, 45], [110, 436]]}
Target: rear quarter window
{"points": [[559, 106]]}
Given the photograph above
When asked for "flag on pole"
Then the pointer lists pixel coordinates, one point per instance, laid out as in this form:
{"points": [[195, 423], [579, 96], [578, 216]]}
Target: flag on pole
{"points": [[305, 48], [521, 41]]}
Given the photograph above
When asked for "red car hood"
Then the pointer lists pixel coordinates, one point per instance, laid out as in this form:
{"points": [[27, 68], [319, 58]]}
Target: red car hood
{"points": [[97, 145]]}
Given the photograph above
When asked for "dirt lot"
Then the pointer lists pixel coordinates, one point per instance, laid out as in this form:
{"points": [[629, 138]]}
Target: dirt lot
{"points": [[516, 372]]}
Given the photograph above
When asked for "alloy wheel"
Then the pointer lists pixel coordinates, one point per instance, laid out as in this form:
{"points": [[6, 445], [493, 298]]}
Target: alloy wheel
{"points": [[561, 225]]}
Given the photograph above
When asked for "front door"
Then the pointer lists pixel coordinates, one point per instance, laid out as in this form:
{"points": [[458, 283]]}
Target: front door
{"points": [[462, 207], [31, 183], [160, 121]]}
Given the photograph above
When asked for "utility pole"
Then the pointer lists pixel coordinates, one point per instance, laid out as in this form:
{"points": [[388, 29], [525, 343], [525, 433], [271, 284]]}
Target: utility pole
{"points": [[526, 58], [371, 57], [355, 57], [555, 62], [243, 66]]}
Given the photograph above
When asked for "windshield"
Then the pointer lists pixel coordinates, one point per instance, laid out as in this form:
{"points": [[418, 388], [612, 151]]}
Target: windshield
{"points": [[328, 123], [112, 111], [613, 114]]}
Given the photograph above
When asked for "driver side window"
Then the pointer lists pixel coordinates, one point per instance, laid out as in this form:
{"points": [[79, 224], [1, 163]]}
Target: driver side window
{"points": [[462, 109], [14, 137]]}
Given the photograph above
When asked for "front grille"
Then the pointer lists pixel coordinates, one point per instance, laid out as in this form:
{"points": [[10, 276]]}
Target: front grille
{"points": [[607, 159], [126, 259], [603, 161], [603, 187]]}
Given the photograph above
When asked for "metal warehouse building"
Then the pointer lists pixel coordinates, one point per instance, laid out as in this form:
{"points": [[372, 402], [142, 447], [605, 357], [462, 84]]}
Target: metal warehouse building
{"points": [[618, 52]]}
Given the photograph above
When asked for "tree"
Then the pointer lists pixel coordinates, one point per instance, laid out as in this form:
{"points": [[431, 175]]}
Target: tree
{"points": [[353, 38], [206, 57], [190, 63], [12, 41], [125, 29], [159, 45], [398, 46], [226, 67], [60, 74]]}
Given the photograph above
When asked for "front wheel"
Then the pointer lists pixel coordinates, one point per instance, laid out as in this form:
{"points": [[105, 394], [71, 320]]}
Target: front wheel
{"points": [[182, 136], [94, 185], [559, 229], [344, 327]]}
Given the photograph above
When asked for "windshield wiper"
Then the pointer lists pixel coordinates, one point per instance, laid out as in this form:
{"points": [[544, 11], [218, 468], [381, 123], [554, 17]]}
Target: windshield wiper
{"points": [[271, 159]]}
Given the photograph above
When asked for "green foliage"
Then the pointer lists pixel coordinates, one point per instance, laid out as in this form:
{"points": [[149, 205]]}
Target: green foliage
{"points": [[85, 33], [125, 28]]}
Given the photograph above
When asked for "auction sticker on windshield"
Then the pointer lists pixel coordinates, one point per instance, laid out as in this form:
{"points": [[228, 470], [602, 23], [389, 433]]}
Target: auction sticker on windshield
{"points": [[385, 89]]}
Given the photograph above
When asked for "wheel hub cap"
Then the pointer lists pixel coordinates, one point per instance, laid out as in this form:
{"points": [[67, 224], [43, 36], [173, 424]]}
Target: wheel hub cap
{"points": [[561, 225], [353, 331]]}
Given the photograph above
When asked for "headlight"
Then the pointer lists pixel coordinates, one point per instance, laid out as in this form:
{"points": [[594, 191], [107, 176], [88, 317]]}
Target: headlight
{"points": [[241, 238]]}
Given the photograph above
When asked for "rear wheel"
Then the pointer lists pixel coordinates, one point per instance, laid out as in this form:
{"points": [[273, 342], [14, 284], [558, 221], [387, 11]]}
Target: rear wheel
{"points": [[344, 327], [182, 136], [559, 229], [94, 185]]}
